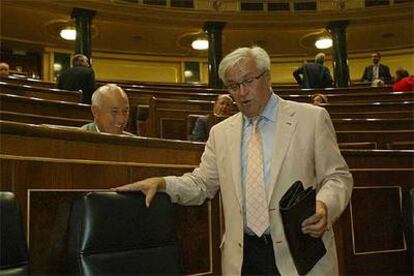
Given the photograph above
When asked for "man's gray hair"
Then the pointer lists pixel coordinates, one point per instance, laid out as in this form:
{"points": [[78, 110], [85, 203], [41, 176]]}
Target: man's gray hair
{"points": [[259, 55], [320, 58], [101, 91]]}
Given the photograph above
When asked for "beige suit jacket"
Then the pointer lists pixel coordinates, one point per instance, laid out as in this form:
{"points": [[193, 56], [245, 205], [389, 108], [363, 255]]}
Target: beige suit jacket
{"points": [[304, 148]]}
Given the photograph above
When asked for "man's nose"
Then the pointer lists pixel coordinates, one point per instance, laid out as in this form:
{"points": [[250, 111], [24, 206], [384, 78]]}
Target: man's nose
{"points": [[243, 90]]}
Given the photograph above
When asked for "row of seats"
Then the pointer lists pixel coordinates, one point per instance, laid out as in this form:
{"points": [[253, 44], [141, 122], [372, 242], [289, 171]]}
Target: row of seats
{"points": [[105, 237]]}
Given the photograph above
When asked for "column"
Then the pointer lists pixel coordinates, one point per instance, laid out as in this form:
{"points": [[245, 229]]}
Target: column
{"points": [[214, 31], [337, 29], [83, 19]]}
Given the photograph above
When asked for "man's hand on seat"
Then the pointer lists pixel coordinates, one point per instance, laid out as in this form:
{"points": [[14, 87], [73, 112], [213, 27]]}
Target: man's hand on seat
{"points": [[149, 187]]}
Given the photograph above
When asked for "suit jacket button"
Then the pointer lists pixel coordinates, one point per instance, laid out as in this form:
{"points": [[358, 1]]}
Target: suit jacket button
{"points": [[240, 245]]}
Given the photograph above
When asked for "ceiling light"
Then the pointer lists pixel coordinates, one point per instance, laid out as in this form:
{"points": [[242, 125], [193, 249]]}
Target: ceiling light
{"points": [[57, 67], [69, 33], [323, 43], [200, 44], [188, 73]]}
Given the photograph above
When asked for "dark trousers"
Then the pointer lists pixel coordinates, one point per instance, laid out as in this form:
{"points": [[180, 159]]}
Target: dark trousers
{"points": [[258, 256]]}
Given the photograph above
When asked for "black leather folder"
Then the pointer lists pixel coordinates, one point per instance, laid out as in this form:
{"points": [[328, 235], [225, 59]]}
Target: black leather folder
{"points": [[296, 205]]}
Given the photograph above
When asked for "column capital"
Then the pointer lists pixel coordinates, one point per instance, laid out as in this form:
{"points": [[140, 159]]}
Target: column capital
{"points": [[79, 12], [340, 24], [213, 26]]}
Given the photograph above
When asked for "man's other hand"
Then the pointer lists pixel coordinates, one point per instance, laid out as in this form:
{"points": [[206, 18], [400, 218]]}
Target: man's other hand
{"points": [[317, 224]]}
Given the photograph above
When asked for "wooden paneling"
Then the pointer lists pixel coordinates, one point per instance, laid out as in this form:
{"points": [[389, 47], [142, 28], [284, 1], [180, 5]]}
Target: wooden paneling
{"points": [[41, 119], [198, 240], [80, 160], [383, 139], [39, 106], [167, 118], [377, 226], [41, 141], [40, 92], [374, 124], [370, 107]]}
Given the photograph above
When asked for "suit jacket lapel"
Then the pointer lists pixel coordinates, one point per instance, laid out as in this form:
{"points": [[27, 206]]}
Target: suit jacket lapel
{"points": [[233, 135], [285, 128]]}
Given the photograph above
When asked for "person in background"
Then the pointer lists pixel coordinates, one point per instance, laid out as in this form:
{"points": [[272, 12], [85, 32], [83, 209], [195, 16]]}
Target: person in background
{"points": [[110, 109], [403, 81], [318, 99], [79, 77], [377, 71], [222, 107], [314, 74], [4, 69], [254, 157]]}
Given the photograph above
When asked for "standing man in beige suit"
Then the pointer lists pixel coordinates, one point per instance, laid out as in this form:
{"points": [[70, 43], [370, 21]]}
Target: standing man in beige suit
{"points": [[297, 142]]}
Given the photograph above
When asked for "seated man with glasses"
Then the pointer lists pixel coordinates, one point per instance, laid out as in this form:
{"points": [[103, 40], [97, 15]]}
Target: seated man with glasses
{"points": [[254, 157]]}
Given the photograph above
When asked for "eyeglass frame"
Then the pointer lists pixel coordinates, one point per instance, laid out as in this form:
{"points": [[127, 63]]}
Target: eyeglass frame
{"points": [[247, 83]]}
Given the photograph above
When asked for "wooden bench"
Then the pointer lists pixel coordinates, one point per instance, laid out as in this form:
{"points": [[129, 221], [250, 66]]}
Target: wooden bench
{"points": [[53, 108], [28, 81], [382, 181], [373, 124], [167, 117], [366, 97], [42, 141], [383, 139], [343, 90], [39, 106], [373, 114], [41, 119], [41, 92], [405, 106], [197, 227]]}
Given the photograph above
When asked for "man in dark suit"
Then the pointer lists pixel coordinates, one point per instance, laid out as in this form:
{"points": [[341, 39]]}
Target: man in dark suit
{"points": [[79, 77], [313, 74], [377, 71]]}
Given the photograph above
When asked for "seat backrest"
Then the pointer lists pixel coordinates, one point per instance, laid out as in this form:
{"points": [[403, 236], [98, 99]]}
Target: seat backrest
{"points": [[14, 257], [116, 234]]}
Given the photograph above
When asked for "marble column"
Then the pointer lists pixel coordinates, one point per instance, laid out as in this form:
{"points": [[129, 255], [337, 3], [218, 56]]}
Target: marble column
{"points": [[337, 29], [214, 31], [83, 19]]}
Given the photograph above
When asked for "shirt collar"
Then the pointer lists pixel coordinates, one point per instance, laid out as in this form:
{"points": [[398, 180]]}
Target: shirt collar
{"points": [[97, 128]]}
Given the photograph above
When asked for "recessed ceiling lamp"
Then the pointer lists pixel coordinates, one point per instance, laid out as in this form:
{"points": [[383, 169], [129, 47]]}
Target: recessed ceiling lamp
{"points": [[323, 43], [57, 67], [69, 33], [200, 44]]}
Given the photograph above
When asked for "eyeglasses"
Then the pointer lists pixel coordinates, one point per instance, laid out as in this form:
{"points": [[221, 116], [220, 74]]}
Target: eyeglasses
{"points": [[234, 87]]}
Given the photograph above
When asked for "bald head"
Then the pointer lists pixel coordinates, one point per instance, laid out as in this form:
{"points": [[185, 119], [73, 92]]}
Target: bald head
{"points": [[110, 108], [4, 69], [80, 60]]}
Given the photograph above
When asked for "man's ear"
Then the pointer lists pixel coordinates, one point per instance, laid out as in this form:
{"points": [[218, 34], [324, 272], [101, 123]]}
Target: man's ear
{"points": [[94, 110]]}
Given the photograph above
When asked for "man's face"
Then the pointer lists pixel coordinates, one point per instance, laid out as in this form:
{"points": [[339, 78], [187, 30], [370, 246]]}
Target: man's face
{"points": [[83, 61], [112, 114], [4, 70], [251, 98], [318, 100], [375, 58], [223, 106]]}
